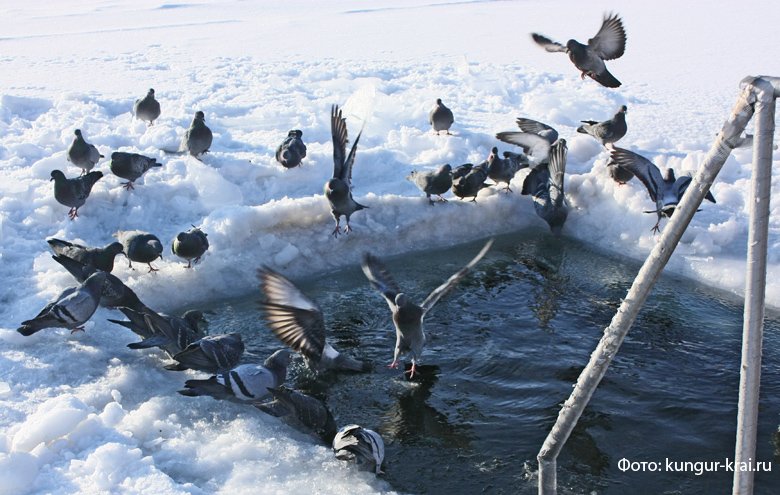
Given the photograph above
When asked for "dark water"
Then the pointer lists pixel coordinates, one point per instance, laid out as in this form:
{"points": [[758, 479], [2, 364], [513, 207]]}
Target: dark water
{"points": [[503, 352]]}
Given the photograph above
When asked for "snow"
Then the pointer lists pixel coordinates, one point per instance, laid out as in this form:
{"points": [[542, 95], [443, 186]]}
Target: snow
{"points": [[79, 414]]}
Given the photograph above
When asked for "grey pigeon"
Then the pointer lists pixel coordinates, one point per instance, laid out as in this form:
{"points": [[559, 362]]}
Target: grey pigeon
{"points": [[141, 247], [131, 166], [82, 154], [245, 382], [147, 108], [338, 190], [301, 411], [534, 137], [197, 139], [172, 334], [619, 173], [100, 258], [292, 150], [504, 169], [360, 445], [73, 192], [609, 131], [545, 184], [408, 317], [609, 43], [297, 321], [190, 245], [435, 182], [469, 185], [115, 293], [210, 354], [665, 191], [441, 117], [71, 309]]}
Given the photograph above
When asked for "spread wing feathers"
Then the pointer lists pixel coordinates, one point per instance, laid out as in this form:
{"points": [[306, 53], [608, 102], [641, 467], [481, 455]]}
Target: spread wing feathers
{"points": [[557, 165], [681, 185], [342, 163], [610, 41], [532, 144], [380, 278], [547, 43], [643, 168], [447, 286], [535, 127]]}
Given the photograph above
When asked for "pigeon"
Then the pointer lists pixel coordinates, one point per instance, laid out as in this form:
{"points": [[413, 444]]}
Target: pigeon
{"points": [[73, 192], [100, 258], [467, 180], [197, 139], [245, 382], [545, 184], [619, 173], [300, 411], [172, 334], [297, 321], [609, 43], [190, 245], [71, 309], [435, 182], [141, 247], [131, 166], [534, 137], [665, 191], [82, 154], [147, 108], [338, 190], [360, 445], [504, 169], [115, 293], [292, 150], [210, 354], [408, 317], [608, 132], [441, 117]]}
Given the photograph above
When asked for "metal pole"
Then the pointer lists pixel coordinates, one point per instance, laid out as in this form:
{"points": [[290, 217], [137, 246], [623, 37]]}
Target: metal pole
{"points": [[755, 289]]}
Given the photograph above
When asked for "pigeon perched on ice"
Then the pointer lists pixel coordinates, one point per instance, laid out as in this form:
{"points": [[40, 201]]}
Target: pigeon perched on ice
{"points": [[545, 184], [441, 117], [82, 154], [665, 191], [210, 354], [141, 247], [360, 445], [71, 309], [73, 192], [504, 169], [172, 334], [197, 139], [297, 321], [245, 382], [607, 132], [190, 245], [534, 137], [292, 150], [100, 258], [115, 293], [131, 166], [147, 108], [609, 43], [300, 411], [468, 180], [408, 317], [435, 182], [338, 190]]}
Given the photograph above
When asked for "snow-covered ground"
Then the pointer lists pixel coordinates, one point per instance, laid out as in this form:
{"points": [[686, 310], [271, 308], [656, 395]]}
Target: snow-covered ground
{"points": [[79, 414]]}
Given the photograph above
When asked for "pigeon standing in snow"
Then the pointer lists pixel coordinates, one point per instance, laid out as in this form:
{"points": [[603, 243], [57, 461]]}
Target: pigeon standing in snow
{"points": [[435, 182], [82, 154], [131, 166], [607, 132], [190, 245], [441, 118], [141, 247], [468, 180], [301, 411], [172, 334], [534, 137], [147, 108], [665, 191], [504, 169], [338, 190], [197, 139], [360, 445], [408, 317], [609, 43], [210, 354], [71, 309], [297, 321], [292, 150], [100, 258], [545, 184], [115, 293], [73, 192]]}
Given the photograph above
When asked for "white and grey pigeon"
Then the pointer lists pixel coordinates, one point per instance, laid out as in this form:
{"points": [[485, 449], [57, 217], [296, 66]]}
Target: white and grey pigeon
{"points": [[338, 189], [190, 245], [301, 411], [210, 354], [441, 118], [609, 131], [115, 293], [197, 140], [71, 309], [82, 154], [131, 166], [362, 446], [147, 108], [504, 169], [292, 150], [297, 321], [73, 192], [435, 182], [535, 138], [665, 190], [608, 44], [408, 317], [141, 247], [100, 258], [545, 184], [172, 334]]}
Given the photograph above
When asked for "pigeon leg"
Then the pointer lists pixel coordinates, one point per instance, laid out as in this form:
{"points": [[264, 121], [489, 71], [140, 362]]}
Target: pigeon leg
{"points": [[189, 264], [394, 364], [507, 189], [430, 201], [412, 370], [128, 185], [73, 213], [337, 230], [441, 199], [656, 229], [347, 229], [582, 76], [152, 269], [78, 329], [474, 199]]}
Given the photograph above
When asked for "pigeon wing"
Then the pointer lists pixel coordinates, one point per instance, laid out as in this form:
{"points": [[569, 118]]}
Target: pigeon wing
{"points": [[380, 278], [447, 286], [547, 43], [532, 144], [610, 41], [644, 169], [338, 131]]}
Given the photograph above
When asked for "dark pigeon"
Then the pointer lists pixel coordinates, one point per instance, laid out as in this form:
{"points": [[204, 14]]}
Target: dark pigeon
{"points": [[82, 154], [172, 334], [141, 247], [197, 139], [469, 185], [435, 182], [535, 138], [545, 184], [292, 150], [362, 446], [301, 411], [147, 108], [609, 131], [504, 169], [190, 245], [100, 258], [441, 118], [73, 192], [131, 166], [115, 293], [210, 354], [338, 190]]}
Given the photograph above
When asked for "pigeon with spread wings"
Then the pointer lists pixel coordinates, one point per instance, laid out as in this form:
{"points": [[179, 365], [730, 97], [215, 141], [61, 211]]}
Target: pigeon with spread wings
{"points": [[338, 189], [534, 137]]}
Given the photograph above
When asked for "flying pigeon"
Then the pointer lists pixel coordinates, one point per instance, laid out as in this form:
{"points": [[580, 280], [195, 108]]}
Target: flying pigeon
{"points": [[619, 173], [545, 184], [338, 190], [609, 43], [665, 191], [131, 166], [147, 108], [468, 180], [197, 139], [292, 150], [210, 354], [504, 169], [297, 321], [435, 182], [82, 154], [441, 117], [360, 445], [172, 334], [115, 293], [100, 258], [534, 137], [73, 192], [190, 245], [608, 132], [140, 247], [408, 317], [300, 411]]}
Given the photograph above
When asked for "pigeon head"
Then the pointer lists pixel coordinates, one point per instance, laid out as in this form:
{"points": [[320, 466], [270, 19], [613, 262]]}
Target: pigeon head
{"points": [[438, 101], [445, 169], [57, 175], [295, 133], [77, 132], [574, 46], [200, 115], [623, 109], [150, 93], [115, 248], [669, 177]]}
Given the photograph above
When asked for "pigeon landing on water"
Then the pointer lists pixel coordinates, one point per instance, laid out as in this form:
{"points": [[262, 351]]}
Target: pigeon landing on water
{"points": [[468, 180], [607, 132], [301, 411], [147, 108], [338, 190], [545, 184], [100, 258], [665, 191], [297, 321], [441, 118], [140, 247], [115, 293], [71, 309], [131, 166], [609, 43], [535, 138], [197, 139], [292, 150], [504, 169], [210, 354], [362, 446], [73, 192], [435, 182], [172, 334], [82, 154], [408, 317], [190, 245]]}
